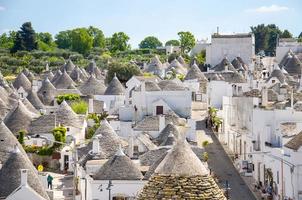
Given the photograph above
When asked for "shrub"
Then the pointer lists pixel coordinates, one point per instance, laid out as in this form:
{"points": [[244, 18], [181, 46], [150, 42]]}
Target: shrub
{"points": [[79, 107], [205, 143], [59, 134], [91, 131], [21, 136], [31, 149], [45, 151], [67, 97]]}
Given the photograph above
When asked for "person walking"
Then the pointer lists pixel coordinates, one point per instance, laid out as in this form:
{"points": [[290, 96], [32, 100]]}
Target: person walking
{"points": [[49, 181]]}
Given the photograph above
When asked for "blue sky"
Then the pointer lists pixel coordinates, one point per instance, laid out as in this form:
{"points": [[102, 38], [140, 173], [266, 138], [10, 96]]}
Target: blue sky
{"points": [[161, 18]]}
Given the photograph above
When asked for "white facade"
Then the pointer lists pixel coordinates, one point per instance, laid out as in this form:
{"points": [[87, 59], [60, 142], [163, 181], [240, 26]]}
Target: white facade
{"points": [[256, 136], [121, 188], [178, 101], [230, 46]]}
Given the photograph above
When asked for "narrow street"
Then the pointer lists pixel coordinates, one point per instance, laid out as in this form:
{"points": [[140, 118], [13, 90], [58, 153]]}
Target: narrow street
{"points": [[62, 186], [222, 166]]}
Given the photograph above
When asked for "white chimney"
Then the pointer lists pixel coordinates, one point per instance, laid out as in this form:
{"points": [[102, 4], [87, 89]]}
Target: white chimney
{"points": [[162, 123], [24, 177], [264, 97], [95, 145], [90, 106]]}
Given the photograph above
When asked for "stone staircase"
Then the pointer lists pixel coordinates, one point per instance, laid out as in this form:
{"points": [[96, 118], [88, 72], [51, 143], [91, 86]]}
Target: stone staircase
{"points": [[62, 187]]}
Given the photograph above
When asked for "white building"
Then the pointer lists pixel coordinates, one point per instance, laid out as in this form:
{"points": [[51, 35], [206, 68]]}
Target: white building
{"points": [[120, 174], [266, 143], [231, 46]]}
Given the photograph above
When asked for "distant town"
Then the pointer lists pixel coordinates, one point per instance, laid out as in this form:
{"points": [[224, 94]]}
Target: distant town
{"points": [[87, 117]]}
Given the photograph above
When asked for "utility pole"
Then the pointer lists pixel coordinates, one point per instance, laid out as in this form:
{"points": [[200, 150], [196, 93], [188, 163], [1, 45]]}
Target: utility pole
{"points": [[109, 188]]}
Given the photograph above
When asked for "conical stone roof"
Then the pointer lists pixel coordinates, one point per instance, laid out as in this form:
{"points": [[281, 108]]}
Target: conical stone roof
{"points": [[49, 75], [277, 73], [195, 73], [66, 116], [163, 137], [30, 76], [109, 140], [10, 174], [7, 143], [115, 87], [93, 86], [293, 65], [22, 81], [181, 60], [225, 63], [64, 81], [119, 167], [155, 65], [181, 175], [77, 75], [4, 109], [19, 118], [29, 106], [34, 100], [56, 76], [177, 66], [47, 92], [68, 67]]}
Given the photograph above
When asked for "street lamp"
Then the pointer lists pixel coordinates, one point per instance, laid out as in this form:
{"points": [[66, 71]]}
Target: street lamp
{"points": [[109, 188]]}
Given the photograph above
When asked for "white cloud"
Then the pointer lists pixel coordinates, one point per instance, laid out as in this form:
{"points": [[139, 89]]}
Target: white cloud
{"points": [[268, 9], [2, 8]]}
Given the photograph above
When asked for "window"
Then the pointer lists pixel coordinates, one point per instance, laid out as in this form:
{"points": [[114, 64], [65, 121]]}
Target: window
{"points": [[159, 110], [273, 81], [67, 129]]}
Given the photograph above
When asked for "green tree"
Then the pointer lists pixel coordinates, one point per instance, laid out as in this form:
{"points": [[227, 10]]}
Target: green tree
{"points": [[45, 42], [201, 57], [7, 40], [286, 34], [266, 37], [45, 37], [119, 42], [124, 71], [81, 40], [300, 37], [63, 39], [150, 42], [273, 33], [261, 37], [187, 41], [98, 37], [173, 43], [25, 39]]}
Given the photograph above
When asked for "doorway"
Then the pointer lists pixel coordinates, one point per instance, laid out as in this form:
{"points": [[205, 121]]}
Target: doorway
{"points": [[159, 110], [66, 162]]}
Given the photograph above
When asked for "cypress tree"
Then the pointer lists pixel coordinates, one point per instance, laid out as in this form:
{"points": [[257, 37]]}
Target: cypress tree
{"points": [[25, 39]]}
